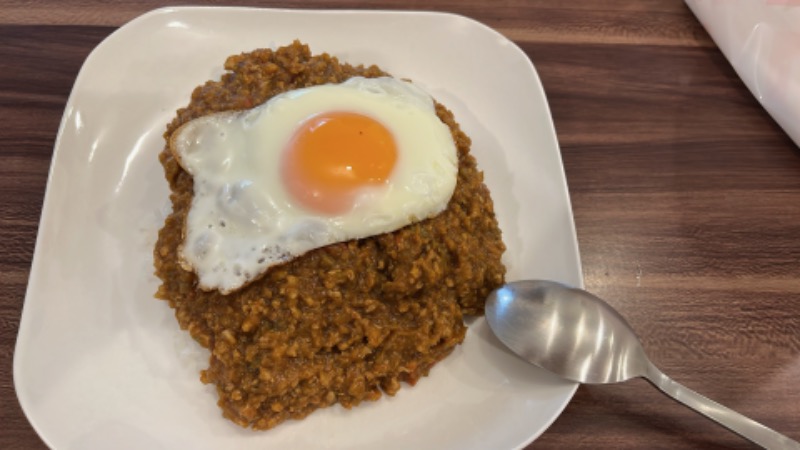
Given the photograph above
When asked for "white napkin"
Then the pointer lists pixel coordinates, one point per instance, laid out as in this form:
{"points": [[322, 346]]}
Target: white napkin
{"points": [[761, 39]]}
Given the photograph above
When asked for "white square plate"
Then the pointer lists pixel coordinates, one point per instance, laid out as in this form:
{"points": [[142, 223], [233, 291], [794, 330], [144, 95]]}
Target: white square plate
{"points": [[100, 364]]}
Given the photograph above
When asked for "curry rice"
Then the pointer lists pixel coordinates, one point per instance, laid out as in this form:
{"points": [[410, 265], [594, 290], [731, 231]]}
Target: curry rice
{"points": [[342, 323]]}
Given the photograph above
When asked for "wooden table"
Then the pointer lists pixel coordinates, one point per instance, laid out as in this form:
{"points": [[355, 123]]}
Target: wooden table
{"points": [[686, 197]]}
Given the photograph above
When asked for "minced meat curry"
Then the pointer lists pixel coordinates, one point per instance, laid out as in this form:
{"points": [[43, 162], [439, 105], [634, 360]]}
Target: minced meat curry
{"points": [[343, 323]]}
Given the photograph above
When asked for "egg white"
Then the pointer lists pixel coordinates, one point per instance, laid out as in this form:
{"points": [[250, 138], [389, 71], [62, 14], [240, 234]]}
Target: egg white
{"points": [[242, 220]]}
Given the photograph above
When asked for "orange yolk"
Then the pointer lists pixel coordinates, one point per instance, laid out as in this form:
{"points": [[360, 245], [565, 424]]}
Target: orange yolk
{"points": [[332, 156]]}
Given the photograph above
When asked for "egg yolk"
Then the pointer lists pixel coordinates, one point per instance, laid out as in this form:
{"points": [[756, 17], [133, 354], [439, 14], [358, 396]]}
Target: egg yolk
{"points": [[332, 156]]}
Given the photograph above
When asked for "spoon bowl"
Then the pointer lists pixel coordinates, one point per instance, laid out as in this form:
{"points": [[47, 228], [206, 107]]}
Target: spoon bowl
{"points": [[567, 331], [579, 337]]}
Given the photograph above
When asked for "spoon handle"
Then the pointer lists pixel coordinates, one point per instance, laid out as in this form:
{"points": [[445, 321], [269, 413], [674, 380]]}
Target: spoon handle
{"points": [[744, 426]]}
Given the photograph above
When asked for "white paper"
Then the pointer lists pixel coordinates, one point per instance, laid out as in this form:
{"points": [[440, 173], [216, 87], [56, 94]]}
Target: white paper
{"points": [[761, 39]]}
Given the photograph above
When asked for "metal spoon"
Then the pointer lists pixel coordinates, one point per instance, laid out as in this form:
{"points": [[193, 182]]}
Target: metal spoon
{"points": [[578, 336]]}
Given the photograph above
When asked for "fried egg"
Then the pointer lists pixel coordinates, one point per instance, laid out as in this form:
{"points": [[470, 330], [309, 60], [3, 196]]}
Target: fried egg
{"points": [[309, 168]]}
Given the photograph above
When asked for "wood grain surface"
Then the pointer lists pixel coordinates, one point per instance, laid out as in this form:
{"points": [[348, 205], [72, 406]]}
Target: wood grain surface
{"points": [[686, 197]]}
